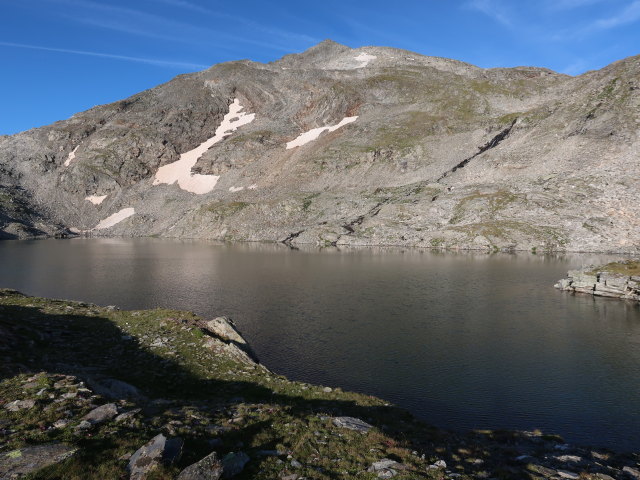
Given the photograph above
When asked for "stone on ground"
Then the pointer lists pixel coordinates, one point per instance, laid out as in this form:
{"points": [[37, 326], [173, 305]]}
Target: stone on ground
{"points": [[209, 468], [18, 463]]}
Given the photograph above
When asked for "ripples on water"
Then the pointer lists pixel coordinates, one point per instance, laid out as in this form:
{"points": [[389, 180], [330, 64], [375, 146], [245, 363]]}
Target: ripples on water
{"points": [[462, 340]]}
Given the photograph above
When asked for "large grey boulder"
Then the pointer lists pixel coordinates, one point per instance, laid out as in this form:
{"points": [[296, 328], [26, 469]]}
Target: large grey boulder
{"points": [[352, 423], [225, 329], [115, 389], [386, 468], [20, 405], [209, 468], [101, 414], [159, 450], [21, 462]]}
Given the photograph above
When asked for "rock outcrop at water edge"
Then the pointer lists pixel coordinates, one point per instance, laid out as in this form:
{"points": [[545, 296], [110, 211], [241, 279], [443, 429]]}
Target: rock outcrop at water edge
{"points": [[603, 282]]}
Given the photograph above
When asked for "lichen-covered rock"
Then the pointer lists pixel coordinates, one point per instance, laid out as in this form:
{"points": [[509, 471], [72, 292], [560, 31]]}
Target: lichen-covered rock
{"points": [[352, 424], [225, 329], [101, 414], [209, 468], [20, 405], [159, 450], [386, 468], [21, 462], [114, 389]]}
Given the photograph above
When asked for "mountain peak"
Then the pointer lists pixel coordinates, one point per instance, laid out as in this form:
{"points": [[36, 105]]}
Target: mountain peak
{"points": [[321, 53]]}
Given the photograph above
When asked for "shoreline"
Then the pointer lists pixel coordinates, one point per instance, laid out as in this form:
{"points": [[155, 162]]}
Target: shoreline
{"points": [[297, 246]]}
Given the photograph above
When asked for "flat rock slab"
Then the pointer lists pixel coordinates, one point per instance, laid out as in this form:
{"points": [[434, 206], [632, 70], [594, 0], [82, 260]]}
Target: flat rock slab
{"points": [[156, 451], [352, 424], [101, 414], [209, 468], [115, 389], [18, 463], [20, 405], [386, 468], [568, 475], [225, 329]]}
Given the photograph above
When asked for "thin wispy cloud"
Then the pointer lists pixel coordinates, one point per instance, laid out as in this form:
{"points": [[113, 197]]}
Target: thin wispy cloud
{"points": [[186, 5], [256, 26], [140, 23], [118, 26], [492, 9], [625, 16], [630, 14], [570, 4], [148, 61], [575, 68]]}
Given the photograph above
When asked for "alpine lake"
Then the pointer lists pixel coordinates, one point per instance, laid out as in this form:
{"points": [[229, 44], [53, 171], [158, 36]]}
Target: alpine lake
{"points": [[462, 340]]}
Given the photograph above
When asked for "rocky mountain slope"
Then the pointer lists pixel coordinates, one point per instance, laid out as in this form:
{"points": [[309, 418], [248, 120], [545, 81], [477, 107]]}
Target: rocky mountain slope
{"points": [[367, 146], [197, 407]]}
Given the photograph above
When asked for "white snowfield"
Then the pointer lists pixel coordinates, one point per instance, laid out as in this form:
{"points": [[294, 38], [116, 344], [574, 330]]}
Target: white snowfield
{"points": [[180, 171], [117, 217], [314, 133], [364, 59], [71, 157], [236, 189], [96, 199]]}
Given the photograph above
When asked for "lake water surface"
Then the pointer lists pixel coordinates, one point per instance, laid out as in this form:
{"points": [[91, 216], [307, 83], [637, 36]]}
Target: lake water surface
{"points": [[462, 340]]}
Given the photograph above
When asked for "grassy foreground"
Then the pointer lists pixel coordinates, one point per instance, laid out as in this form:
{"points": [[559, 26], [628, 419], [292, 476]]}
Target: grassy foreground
{"points": [[52, 352]]}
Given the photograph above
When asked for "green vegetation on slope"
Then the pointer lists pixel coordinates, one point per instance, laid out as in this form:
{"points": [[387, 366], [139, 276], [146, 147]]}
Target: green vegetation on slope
{"points": [[627, 267]]}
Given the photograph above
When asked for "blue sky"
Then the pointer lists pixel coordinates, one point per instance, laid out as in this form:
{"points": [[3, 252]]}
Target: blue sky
{"points": [[59, 57]]}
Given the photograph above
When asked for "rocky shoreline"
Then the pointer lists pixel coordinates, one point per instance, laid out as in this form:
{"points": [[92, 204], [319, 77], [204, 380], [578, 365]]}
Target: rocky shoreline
{"points": [[94, 392], [615, 280]]}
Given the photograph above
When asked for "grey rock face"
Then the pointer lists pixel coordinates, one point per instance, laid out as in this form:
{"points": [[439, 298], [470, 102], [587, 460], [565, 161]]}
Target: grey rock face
{"points": [[101, 414], [209, 468], [148, 457], [602, 284], [224, 329], [18, 463], [385, 468], [442, 154], [352, 424], [115, 389], [20, 405]]}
